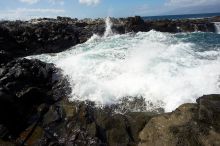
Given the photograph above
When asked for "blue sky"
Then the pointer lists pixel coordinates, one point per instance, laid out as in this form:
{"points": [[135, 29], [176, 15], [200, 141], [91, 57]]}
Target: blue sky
{"points": [[26, 9]]}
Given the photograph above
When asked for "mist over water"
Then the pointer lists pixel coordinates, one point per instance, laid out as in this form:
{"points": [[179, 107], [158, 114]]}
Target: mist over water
{"points": [[165, 69]]}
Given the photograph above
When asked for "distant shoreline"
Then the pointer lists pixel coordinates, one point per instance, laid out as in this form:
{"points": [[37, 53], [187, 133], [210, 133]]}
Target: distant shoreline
{"points": [[182, 16]]}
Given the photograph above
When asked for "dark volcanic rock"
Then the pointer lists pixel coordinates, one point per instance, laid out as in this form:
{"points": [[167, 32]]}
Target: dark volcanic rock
{"points": [[135, 24], [190, 124], [8, 46], [23, 38], [87, 125], [81, 123], [185, 25], [163, 26], [24, 86]]}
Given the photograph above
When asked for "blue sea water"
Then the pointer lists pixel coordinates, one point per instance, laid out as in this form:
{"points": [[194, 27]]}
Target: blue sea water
{"points": [[186, 16]]}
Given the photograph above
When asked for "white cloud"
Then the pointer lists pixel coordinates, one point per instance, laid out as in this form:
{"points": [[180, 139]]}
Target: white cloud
{"points": [[25, 13], [29, 1], [61, 2], [89, 2], [38, 10]]}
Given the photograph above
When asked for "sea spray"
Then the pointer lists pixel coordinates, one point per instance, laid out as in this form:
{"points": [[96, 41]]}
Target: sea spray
{"points": [[108, 27], [108, 31], [166, 70], [217, 27]]}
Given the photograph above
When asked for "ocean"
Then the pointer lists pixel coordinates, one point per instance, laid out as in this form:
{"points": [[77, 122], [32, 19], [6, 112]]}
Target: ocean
{"points": [[165, 69], [186, 16]]}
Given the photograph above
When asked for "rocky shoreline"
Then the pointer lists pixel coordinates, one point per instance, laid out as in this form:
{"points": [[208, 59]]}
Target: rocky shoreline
{"points": [[37, 36], [34, 106]]}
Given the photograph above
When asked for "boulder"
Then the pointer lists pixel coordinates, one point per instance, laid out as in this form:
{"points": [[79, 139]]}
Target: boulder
{"points": [[188, 125]]}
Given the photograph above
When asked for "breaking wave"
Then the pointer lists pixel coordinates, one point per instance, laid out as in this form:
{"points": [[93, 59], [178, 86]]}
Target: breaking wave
{"points": [[165, 69]]}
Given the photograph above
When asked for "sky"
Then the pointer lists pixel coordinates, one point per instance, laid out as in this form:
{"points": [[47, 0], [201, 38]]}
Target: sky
{"points": [[27, 9]]}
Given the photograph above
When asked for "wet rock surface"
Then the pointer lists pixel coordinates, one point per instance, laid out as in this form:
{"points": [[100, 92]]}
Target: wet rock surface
{"points": [[37, 36]]}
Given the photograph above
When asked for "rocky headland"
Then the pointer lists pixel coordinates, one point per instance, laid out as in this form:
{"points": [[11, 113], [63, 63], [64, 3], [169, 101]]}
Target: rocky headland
{"points": [[34, 106]]}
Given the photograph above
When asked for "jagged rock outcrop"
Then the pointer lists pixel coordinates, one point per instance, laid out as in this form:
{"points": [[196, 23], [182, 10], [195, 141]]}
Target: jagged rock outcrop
{"points": [[136, 24], [81, 123], [188, 125], [24, 86], [19, 39]]}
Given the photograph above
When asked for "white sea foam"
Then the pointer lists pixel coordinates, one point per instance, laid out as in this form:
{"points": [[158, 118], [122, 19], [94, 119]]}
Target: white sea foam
{"points": [[154, 65]]}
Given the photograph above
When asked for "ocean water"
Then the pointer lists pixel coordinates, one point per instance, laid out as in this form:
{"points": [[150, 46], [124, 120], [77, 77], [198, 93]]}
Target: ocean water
{"points": [[186, 16], [165, 69]]}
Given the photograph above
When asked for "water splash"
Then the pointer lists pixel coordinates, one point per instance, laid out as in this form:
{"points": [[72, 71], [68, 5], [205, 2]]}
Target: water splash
{"points": [[164, 69], [195, 28], [108, 31], [217, 27], [108, 27]]}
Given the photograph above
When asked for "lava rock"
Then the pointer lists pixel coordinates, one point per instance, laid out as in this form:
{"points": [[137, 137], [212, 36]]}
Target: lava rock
{"points": [[135, 24], [86, 124], [190, 124], [24, 86]]}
